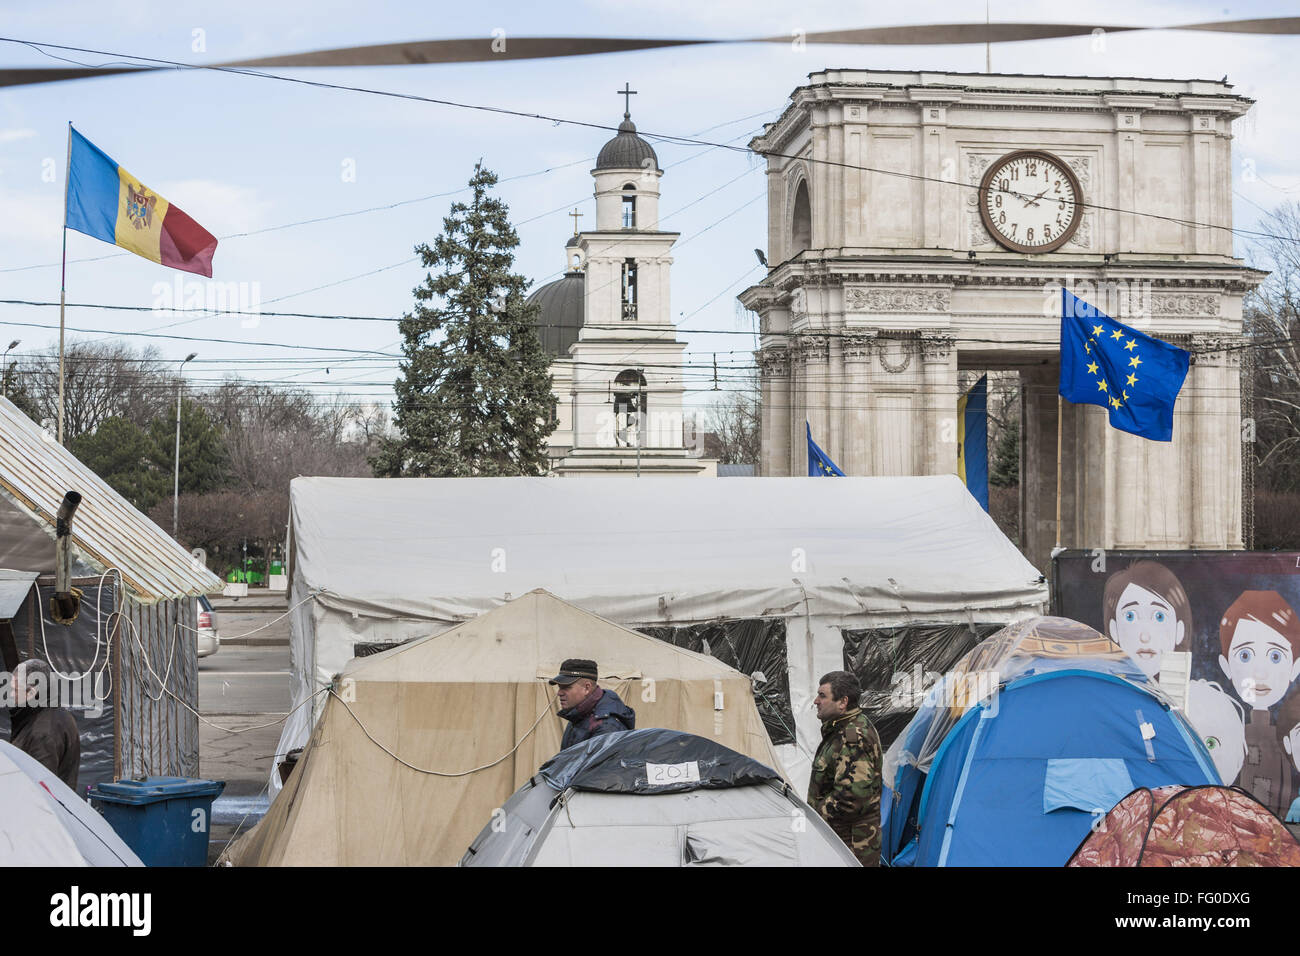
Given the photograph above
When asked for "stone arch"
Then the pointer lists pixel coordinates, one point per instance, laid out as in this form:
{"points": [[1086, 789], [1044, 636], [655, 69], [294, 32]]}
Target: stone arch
{"points": [[800, 230]]}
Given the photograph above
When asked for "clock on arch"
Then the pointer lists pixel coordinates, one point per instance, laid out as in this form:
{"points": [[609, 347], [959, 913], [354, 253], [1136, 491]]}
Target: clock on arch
{"points": [[1030, 201]]}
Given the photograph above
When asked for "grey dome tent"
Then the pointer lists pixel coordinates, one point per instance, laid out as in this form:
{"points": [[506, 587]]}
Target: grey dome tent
{"points": [[655, 797]]}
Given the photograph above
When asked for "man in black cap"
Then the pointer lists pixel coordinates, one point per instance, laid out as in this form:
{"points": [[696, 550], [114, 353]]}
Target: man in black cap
{"points": [[591, 710]]}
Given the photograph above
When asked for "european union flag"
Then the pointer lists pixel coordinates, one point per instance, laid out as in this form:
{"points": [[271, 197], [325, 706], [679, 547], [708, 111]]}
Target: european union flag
{"points": [[1135, 377], [819, 463]]}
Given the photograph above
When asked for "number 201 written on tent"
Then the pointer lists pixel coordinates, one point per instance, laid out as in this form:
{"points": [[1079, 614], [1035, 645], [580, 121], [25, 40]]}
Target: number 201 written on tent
{"points": [[665, 774]]}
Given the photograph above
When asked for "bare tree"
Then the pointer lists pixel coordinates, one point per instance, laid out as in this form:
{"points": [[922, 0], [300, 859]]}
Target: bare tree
{"points": [[102, 379], [735, 419], [1272, 326]]}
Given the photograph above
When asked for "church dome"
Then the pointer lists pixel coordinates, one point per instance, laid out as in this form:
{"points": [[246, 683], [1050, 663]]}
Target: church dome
{"points": [[559, 314], [627, 150]]}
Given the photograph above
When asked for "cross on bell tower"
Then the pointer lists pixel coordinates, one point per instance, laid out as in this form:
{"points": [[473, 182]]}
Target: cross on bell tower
{"points": [[576, 216], [627, 93]]}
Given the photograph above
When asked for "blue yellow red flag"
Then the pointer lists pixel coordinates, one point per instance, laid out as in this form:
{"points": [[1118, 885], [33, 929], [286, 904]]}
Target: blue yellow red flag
{"points": [[106, 202]]}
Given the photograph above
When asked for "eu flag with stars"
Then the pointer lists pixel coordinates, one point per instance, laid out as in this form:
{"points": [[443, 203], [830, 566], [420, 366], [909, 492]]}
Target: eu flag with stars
{"points": [[1133, 376], [819, 463]]}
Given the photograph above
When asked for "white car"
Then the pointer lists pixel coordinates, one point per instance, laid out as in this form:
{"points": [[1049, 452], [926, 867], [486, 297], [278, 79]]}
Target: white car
{"points": [[208, 639]]}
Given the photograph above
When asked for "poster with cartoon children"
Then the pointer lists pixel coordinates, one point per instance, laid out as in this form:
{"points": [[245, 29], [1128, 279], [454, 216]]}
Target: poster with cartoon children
{"points": [[1235, 612], [1259, 636]]}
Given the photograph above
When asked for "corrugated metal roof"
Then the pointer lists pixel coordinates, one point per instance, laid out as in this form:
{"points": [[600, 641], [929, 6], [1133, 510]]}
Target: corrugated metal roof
{"points": [[35, 472]]}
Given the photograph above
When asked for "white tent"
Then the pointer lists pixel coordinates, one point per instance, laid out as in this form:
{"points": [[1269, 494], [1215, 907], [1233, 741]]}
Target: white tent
{"points": [[380, 561], [655, 797], [46, 824]]}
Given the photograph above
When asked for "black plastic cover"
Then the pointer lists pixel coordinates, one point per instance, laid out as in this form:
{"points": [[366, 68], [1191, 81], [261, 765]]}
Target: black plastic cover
{"points": [[895, 665], [617, 763], [751, 646]]}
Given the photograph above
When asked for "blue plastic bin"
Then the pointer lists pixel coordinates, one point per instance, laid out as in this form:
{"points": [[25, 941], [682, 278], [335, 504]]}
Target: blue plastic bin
{"points": [[167, 821]]}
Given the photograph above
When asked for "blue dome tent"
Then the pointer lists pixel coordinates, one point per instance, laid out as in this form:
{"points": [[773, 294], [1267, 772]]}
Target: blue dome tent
{"points": [[1038, 732]]}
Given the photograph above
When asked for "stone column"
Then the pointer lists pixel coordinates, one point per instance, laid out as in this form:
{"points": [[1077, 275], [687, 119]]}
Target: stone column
{"points": [[815, 350], [1216, 490], [820, 171], [856, 348], [774, 369], [1038, 464], [797, 409], [939, 395], [835, 177]]}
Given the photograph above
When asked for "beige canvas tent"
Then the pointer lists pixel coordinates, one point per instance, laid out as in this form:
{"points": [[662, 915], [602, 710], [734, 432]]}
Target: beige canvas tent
{"points": [[417, 746]]}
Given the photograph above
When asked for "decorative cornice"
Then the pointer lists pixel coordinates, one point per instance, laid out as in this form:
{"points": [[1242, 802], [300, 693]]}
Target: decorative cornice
{"points": [[774, 361], [937, 345], [1185, 303], [857, 346], [812, 348], [894, 300]]}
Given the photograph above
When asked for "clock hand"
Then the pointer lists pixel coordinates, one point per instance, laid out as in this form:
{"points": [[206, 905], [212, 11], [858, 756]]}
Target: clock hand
{"points": [[1034, 201]]}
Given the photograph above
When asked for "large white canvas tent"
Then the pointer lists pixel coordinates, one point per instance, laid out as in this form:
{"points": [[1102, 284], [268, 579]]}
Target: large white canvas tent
{"points": [[417, 746], [820, 565]]}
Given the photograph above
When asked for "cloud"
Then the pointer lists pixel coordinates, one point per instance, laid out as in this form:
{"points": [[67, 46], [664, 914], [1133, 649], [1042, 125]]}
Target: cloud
{"points": [[220, 208], [13, 135]]}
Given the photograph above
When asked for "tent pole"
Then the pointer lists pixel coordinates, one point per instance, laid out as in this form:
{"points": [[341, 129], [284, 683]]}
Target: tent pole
{"points": [[63, 276], [1060, 414]]}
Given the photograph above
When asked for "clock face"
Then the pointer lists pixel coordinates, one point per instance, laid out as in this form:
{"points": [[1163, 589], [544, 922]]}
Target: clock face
{"points": [[1030, 201]]}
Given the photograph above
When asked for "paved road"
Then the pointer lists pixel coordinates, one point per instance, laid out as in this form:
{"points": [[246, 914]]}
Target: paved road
{"points": [[244, 693]]}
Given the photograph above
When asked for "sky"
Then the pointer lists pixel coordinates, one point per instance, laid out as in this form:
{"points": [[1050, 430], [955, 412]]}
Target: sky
{"points": [[245, 154]]}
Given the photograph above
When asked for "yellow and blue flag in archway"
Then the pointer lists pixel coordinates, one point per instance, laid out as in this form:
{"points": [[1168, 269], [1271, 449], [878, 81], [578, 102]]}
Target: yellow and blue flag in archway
{"points": [[973, 441], [819, 463], [1135, 377]]}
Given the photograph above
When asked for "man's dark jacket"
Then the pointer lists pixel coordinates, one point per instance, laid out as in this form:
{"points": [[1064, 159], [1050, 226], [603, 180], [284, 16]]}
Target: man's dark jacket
{"points": [[48, 734], [601, 713]]}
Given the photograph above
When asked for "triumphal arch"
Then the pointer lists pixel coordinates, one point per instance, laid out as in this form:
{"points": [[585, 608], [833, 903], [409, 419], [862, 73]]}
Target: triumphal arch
{"points": [[922, 224]]}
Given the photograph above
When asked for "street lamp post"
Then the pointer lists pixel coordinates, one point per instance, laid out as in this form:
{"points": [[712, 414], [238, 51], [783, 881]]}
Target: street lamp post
{"points": [[176, 484], [4, 369]]}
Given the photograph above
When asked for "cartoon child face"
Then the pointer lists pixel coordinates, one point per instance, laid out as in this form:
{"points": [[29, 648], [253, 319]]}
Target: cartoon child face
{"points": [[1216, 717], [1145, 626], [1259, 663]]}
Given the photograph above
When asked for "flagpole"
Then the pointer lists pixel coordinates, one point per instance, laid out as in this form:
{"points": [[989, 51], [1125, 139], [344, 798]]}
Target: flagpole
{"points": [[63, 274], [1060, 415]]}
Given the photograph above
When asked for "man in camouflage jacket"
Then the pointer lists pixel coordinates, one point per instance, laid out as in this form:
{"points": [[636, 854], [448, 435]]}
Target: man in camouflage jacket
{"points": [[845, 784]]}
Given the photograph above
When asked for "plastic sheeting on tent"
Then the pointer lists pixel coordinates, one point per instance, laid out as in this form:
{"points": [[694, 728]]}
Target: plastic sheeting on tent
{"points": [[1188, 826], [381, 561], [419, 744], [655, 797], [45, 824], [1019, 748], [895, 664]]}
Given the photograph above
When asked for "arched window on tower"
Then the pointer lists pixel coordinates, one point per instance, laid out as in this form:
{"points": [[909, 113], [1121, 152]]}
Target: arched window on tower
{"points": [[629, 407], [801, 221], [629, 290], [629, 206]]}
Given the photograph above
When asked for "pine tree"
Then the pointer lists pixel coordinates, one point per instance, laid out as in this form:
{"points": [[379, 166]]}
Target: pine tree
{"points": [[475, 393], [1006, 457], [204, 459]]}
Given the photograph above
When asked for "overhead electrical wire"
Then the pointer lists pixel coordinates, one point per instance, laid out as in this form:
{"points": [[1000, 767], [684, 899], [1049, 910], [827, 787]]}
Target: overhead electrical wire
{"points": [[658, 137]]}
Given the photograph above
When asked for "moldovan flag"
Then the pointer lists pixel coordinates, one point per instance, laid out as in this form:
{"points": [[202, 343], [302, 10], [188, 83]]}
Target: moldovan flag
{"points": [[107, 202]]}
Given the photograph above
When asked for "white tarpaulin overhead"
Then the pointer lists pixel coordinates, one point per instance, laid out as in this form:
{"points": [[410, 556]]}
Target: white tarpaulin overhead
{"points": [[376, 561]]}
